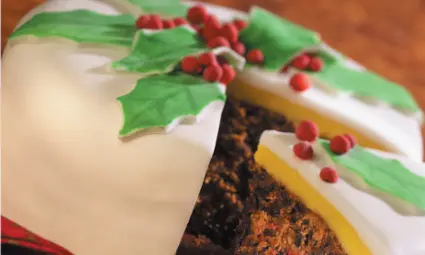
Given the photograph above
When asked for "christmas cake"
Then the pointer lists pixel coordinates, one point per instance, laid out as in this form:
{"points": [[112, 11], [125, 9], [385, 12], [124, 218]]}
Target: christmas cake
{"points": [[111, 111]]}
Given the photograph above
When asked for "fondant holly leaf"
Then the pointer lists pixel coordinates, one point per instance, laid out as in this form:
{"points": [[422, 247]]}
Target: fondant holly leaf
{"points": [[279, 39], [337, 74], [172, 8], [159, 52], [161, 101], [81, 26], [387, 175]]}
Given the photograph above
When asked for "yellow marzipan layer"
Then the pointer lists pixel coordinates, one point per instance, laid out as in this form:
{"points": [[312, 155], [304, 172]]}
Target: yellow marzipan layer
{"points": [[295, 183], [294, 112]]}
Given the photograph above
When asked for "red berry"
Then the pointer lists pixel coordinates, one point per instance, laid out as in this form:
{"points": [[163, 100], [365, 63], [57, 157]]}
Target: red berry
{"points": [[301, 62], [255, 56], [168, 24], [239, 24], [351, 139], [228, 74], [307, 131], [213, 73], [284, 69], [210, 33], [340, 145], [142, 21], [154, 22], [197, 14], [197, 28], [303, 150], [328, 174], [299, 82], [315, 64], [212, 21], [189, 64], [239, 48], [207, 59], [230, 32], [180, 21], [218, 41], [222, 60]]}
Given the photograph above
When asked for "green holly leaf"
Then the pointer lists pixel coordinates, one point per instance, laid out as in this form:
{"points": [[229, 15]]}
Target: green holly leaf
{"points": [[387, 175], [171, 8], [81, 26], [161, 101], [338, 74], [156, 52], [279, 39]]}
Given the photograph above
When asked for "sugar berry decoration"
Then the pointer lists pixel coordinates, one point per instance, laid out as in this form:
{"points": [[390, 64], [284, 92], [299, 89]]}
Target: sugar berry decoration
{"points": [[228, 74], [239, 24], [197, 28], [154, 22], [351, 139], [284, 69], [255, 56], [301, 62], [210, 33], [340, 144], [303, 150], [316, 64], [230, 32], [167, 24], [213, 73], [239, 48], [207, 59], [212, 21], [307, 131], [299, 82], [180, 21], [222, 60], [328, 174], [197, 14], [142, 21], [190, 64], [218, 41]]}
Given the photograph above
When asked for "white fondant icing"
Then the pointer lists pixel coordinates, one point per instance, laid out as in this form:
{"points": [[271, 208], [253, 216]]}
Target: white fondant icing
{"points": [[67, 176], [381, 228]]}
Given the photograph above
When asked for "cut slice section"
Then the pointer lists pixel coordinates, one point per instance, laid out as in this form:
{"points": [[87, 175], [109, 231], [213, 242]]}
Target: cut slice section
{"points": [[356, 211]]}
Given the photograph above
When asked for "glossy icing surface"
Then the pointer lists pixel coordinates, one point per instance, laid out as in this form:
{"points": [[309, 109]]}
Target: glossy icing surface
{"points": [[64, 169], [381, 228]]}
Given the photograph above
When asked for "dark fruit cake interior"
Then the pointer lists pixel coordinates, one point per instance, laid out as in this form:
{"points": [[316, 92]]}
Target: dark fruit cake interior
{"points": [[241, 209]]}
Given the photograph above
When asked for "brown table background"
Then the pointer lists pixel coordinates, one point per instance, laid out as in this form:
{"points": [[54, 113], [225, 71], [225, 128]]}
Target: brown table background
{"points": [[385, 37]]}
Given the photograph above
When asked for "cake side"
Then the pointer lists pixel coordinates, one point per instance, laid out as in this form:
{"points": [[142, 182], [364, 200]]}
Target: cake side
{"points": [[65, 170]]}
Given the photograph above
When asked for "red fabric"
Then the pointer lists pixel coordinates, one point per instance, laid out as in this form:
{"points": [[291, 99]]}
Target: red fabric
{"points": [[14, 234]]}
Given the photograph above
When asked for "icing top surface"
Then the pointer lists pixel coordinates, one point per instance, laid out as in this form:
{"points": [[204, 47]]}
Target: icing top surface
{"points": [[396, 130], [384, 230], [390, 127]]}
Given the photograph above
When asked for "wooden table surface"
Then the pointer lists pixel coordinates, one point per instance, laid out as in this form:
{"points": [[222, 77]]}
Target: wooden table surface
{"points": [[385, 37]]}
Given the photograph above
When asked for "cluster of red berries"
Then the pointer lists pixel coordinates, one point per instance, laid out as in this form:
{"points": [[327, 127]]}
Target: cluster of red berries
{"points": [[307, 62], [300, 82], [216, 34], [155, 22], [307, 132], [211, 67]]}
